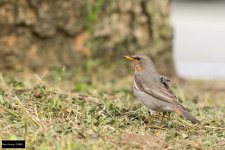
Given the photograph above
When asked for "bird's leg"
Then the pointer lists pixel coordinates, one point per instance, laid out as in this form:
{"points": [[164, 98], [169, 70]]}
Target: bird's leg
{"points": [[162, 118], [169, 116], [152, 114]]}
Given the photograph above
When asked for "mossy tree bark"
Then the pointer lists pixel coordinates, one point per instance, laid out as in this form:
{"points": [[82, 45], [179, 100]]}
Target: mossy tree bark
{"points": [[37, 33]]}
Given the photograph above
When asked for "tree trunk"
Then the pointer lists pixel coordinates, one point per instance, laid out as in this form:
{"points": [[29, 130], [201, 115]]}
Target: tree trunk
{"points": [[44, 33]]}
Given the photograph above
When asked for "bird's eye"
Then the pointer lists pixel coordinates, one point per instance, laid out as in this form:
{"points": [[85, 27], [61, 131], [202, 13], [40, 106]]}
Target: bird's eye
{"points": [[138, 58]]}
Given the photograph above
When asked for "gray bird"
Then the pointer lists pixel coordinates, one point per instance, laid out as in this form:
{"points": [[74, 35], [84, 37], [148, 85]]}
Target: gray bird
{"points": [[153, 89]]}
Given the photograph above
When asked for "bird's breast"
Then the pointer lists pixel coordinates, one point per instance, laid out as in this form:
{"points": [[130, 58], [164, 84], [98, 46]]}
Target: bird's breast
{"points": [[135, 85]]}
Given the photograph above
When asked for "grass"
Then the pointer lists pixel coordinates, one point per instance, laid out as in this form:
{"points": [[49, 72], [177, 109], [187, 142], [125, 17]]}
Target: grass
{"points": [[67, 114]]}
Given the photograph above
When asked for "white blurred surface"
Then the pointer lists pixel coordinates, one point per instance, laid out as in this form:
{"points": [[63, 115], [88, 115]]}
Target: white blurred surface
{"points": [[199, 40]]}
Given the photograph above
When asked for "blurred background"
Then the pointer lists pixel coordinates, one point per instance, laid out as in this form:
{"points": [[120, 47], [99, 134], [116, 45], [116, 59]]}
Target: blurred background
{"points": [[40, 35], [199, 29]]}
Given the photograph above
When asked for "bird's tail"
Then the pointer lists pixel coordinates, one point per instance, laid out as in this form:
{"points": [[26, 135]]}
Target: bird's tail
{"points": [[187, 115]]}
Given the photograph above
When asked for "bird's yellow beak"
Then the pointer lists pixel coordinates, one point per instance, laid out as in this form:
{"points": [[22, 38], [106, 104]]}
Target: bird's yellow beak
{"points": [[129, 57]]}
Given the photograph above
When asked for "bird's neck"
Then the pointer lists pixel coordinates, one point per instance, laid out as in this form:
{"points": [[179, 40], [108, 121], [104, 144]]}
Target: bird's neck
{"points": [[142, 68], [139, 68]]}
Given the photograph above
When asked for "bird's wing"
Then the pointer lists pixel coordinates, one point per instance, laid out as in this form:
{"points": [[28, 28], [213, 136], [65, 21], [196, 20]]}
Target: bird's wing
{"points": [[160, 90], [165, 84], [165, 81]]}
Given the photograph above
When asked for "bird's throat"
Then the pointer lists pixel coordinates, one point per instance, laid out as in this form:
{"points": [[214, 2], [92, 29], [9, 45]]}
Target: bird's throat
{"points": [[138, 67]]}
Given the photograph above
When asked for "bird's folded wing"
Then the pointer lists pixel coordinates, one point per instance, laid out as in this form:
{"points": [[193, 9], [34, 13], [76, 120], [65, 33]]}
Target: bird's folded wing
{"points": [[165, 81], [158, 91]]}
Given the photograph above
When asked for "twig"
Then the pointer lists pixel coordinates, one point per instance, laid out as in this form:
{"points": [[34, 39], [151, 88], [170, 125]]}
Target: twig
{"points": [[211, 127]]}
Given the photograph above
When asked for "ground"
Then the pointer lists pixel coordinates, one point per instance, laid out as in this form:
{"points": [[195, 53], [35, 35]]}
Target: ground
{"points": [[51, 111]]}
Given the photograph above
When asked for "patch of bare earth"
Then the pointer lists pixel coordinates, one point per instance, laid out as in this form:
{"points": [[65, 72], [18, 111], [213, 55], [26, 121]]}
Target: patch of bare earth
{"points": [[151, 141]]}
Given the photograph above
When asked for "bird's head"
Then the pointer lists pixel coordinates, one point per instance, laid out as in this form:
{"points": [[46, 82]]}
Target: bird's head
{"points": [[141, 62]]}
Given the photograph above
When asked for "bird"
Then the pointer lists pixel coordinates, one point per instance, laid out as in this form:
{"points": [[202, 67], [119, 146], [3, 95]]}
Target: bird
{"points": [[153, 89]]}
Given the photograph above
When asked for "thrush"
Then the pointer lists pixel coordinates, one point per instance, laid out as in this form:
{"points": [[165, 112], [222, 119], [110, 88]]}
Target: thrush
{"points": [[153, 89]]}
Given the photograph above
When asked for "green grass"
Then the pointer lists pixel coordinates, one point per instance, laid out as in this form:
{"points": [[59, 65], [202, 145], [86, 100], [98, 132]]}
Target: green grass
{"points": [[67, 114]]}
